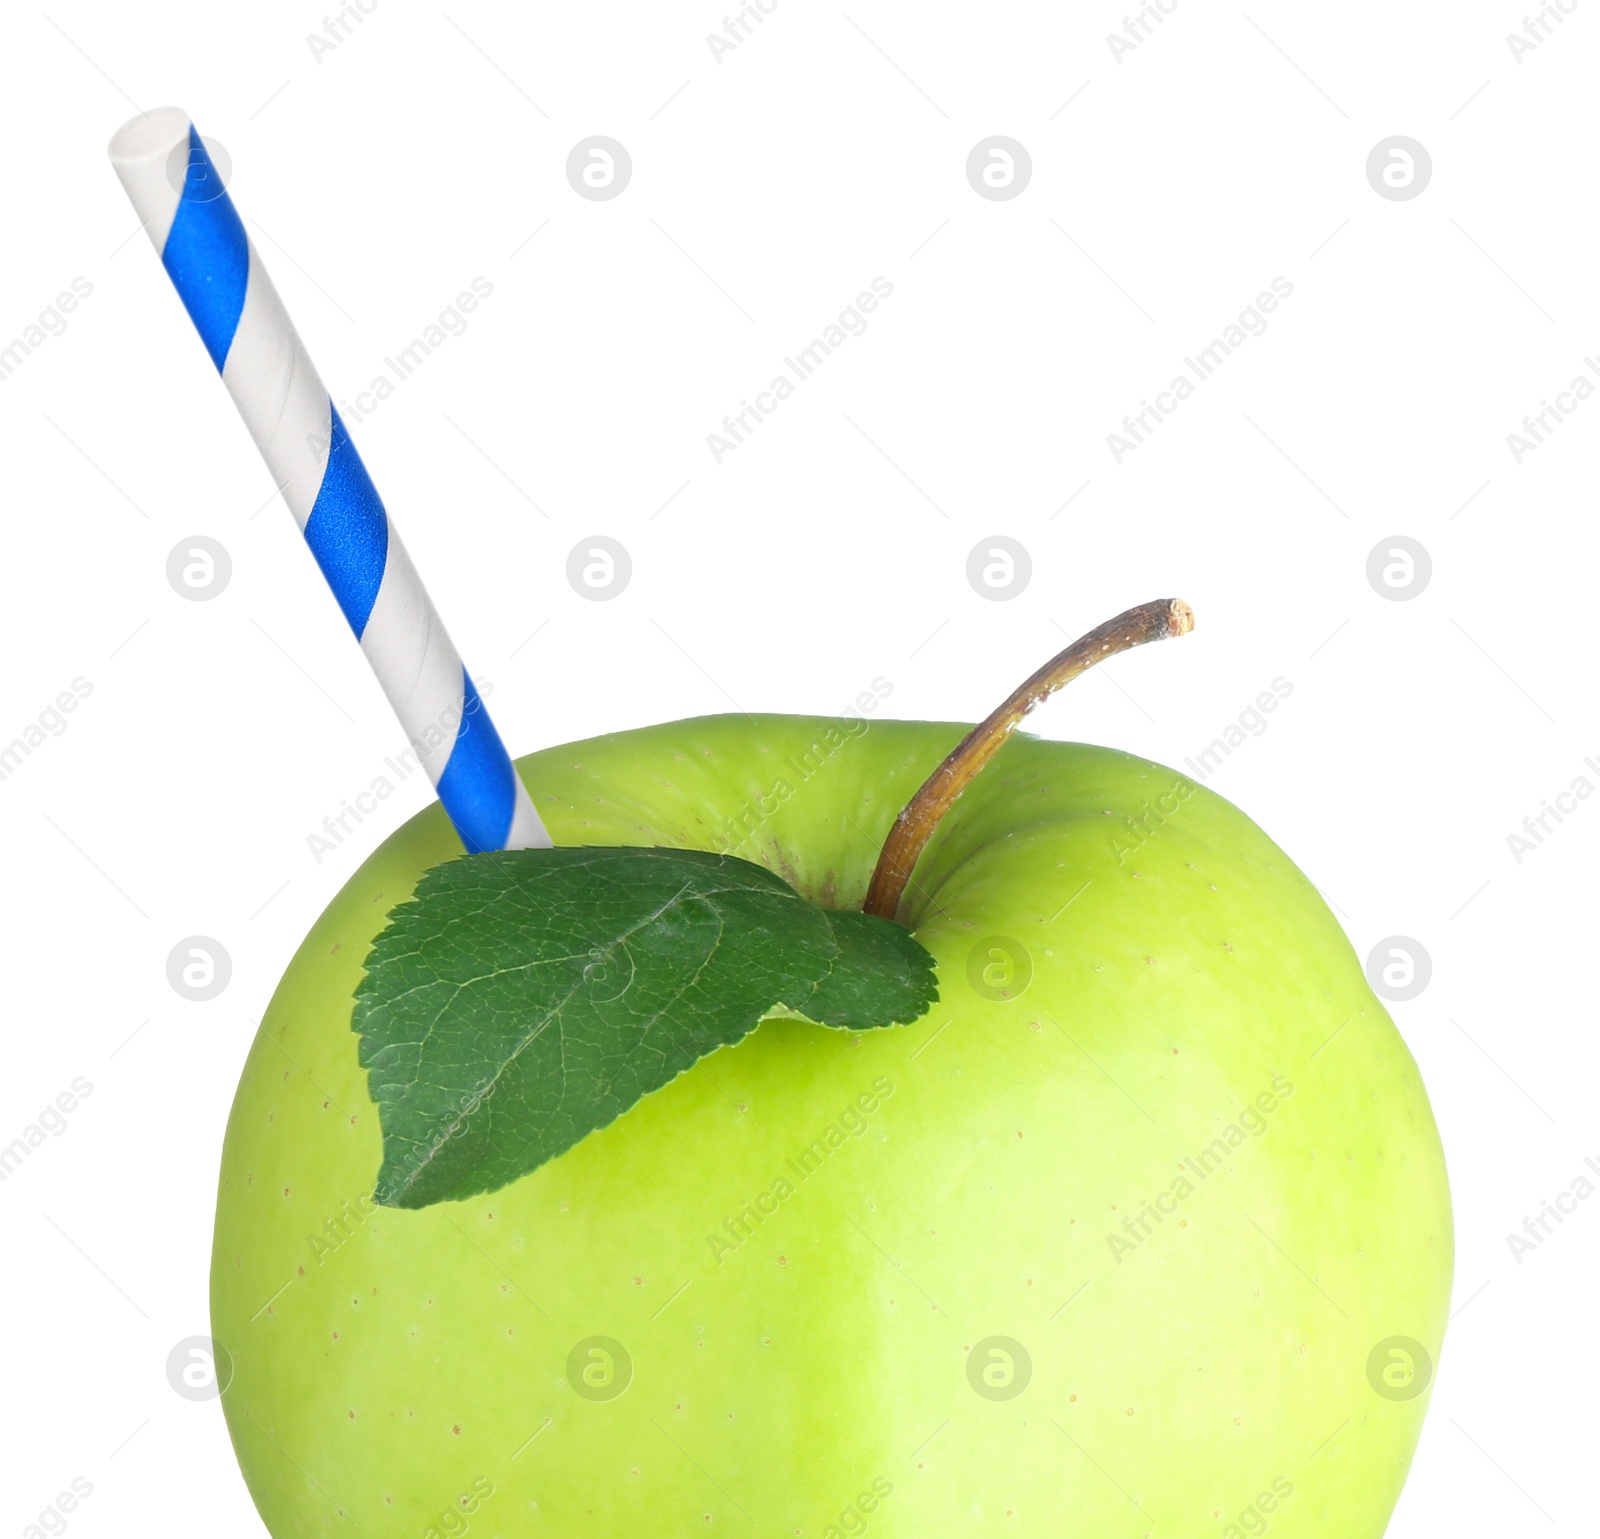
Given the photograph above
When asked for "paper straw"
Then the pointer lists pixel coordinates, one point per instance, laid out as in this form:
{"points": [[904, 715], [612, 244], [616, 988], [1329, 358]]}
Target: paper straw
{"points": [[177, 192]]}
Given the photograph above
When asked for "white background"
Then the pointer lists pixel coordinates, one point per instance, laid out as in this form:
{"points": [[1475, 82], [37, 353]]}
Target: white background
{"points": [[768, 189]]}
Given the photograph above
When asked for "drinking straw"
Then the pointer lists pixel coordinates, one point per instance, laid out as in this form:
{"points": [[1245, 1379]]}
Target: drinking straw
{"points": [[177, 192]]}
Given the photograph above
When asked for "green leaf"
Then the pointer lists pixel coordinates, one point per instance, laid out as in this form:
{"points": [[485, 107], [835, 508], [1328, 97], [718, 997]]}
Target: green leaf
{"points": [[525, 998]]}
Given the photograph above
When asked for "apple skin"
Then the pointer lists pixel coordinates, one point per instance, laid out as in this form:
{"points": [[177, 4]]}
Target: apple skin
{"points": [[391, 1367]]}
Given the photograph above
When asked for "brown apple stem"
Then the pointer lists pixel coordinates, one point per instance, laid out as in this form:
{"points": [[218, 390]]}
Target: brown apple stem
{"points": [[926, 810]]}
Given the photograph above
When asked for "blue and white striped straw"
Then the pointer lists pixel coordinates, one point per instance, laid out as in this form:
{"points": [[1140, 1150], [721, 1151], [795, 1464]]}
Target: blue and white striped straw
{"points": [[177, 192]]}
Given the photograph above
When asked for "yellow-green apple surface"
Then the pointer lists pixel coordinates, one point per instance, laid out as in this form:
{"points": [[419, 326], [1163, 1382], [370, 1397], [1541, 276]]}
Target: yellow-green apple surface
{"points": [[1142, 1230]]}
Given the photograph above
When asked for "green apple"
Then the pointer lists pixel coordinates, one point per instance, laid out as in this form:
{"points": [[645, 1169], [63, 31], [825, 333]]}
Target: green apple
{"points": [[1144, 1229]]}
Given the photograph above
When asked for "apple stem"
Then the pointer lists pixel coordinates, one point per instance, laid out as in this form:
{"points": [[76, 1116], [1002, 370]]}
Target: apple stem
{"points": [[919, 818]]}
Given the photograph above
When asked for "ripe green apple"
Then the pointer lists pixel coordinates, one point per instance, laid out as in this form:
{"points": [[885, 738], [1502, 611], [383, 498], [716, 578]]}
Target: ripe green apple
{"points": [[1143, 1229]]}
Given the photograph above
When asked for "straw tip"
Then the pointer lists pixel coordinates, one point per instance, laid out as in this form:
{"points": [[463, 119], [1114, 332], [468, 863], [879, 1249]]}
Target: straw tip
{"points": [[150, 136]]}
